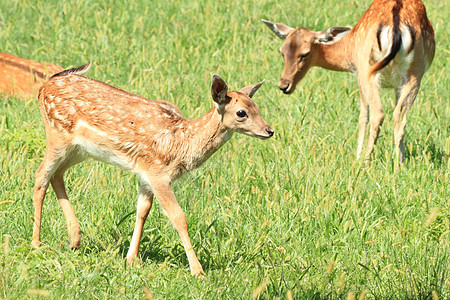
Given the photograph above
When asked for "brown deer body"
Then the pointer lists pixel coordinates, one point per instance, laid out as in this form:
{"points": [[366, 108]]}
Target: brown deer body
{"points": [[23, 77], [391, 46], [87, 118]]}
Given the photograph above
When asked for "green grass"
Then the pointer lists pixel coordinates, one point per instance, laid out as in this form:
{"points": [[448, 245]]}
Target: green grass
{"points": [[293, 215]]}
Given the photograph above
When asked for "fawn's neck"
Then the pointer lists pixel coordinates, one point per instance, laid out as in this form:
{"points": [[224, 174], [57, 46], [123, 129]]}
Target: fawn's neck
{"points": [[207, 135]]}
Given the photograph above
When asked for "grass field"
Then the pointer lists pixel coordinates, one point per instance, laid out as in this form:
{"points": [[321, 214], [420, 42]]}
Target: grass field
{"points": [[295, 216]]}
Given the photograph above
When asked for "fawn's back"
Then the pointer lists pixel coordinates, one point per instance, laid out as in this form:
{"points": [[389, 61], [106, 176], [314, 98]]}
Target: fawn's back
{"points": [[88, 118], [108, 123]]}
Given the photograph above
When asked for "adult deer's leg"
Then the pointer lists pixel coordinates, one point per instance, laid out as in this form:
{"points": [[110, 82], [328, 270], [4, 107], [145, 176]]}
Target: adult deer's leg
{"points": [[363, 120], [371, 89], [408, 93], [144, 205]]}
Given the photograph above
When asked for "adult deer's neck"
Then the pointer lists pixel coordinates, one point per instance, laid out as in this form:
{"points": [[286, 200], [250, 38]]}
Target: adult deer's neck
{"points": [[338, 56]]}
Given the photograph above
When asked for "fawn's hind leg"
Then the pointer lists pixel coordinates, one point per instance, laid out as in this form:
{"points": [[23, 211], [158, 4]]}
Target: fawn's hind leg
{"points": [[52, 168], [57, 181]]}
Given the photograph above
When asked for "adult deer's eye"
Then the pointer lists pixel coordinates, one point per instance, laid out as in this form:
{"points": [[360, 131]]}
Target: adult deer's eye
{"points": [[241, 113], [302, 57]]}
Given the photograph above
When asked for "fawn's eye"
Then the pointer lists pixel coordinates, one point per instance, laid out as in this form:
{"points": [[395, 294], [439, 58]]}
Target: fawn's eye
{"points": [[241, 113]]}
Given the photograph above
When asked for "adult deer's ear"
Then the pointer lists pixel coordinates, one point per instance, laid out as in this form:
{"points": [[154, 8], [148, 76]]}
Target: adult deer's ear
{"points": [[251, 89], [331, 35], [219, 91], [281, 30]]}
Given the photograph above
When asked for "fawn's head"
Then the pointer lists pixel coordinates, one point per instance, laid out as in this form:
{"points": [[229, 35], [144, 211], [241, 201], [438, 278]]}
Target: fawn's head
{"points": [[299, 50], [238, 111]]}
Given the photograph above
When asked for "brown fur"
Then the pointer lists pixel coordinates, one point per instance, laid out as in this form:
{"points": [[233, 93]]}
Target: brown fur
{"points": [[401, 26], [87, 118], [23, 77]]}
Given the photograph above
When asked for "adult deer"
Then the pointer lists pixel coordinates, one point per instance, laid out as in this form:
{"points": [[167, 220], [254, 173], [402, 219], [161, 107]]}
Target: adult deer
{"points": [[391, 46], [86, 118], [23, 77]]}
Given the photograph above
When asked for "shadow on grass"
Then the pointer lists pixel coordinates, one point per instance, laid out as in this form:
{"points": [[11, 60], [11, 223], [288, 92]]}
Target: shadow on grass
{"points": [[155, 250], [426, 148], [158, 251]]}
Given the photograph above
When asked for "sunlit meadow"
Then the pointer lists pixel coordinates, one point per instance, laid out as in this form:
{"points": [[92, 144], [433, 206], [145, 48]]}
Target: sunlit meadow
{"points": [[295, 216]]}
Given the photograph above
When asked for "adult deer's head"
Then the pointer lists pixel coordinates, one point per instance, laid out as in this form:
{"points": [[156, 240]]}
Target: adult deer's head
{"points": [[300, 50]]}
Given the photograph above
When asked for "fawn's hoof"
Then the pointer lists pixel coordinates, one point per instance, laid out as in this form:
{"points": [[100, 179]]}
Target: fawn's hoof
{"points": [[199, 273], [35, 244]]}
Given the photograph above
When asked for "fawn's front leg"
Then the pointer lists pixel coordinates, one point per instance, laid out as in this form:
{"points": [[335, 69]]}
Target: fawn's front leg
{"points": [[164, 193]]}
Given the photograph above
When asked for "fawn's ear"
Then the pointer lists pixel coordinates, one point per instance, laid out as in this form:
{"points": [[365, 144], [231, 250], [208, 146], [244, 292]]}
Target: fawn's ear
{"points": [[251, 89], [281, 30], [331, 35], [219, 90]]}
